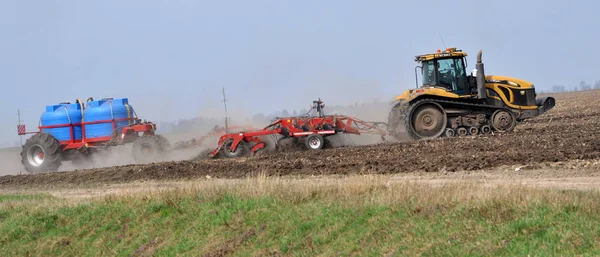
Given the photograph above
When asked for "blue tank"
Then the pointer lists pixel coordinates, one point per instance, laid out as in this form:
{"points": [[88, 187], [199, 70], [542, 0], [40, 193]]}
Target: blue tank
{"points": [[62, 114], [106, 109]]}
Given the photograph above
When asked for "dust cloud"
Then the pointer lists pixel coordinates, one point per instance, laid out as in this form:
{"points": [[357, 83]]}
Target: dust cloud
{"points": [[10, 161]]}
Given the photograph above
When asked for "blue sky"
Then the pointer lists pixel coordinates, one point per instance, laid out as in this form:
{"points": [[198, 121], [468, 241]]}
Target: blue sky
{"points": [[171, 58]]}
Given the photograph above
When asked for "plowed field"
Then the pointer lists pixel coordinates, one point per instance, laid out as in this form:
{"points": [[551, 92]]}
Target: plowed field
{"points": [[570, 131]]}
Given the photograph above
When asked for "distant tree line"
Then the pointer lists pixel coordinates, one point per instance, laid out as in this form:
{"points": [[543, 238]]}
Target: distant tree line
{"points": [[581, 87]]}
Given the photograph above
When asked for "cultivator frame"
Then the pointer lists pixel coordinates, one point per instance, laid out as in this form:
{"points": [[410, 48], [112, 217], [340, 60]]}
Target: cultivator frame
{"points": [[309, 130], [216, 132]]}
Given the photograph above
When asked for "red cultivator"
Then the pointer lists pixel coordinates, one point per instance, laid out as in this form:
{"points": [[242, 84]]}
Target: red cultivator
{"points": [[310, 131], [216, 132]]}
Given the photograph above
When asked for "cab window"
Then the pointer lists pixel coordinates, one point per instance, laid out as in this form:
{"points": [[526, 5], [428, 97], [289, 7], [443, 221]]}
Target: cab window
{"points": [[428, 73], [452, 75]]}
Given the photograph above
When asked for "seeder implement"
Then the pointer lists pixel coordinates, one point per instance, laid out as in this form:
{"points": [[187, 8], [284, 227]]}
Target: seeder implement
{"points": [[309, 131]]}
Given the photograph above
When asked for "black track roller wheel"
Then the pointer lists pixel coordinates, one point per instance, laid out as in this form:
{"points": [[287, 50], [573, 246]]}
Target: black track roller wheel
{"points": [[473, 131], [425, 120], [486, 129], [147, 149], [41, 153], [503, 121], [240, 150], [314, 142], [450, 132], [462, 131]]}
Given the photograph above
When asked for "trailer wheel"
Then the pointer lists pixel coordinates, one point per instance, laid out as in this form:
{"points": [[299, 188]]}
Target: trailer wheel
{"points": [[147, 149], [314, 142], [41, 153]]}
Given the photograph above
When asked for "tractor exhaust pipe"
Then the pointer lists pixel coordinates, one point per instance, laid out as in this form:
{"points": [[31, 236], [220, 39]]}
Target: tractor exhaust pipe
{"points": [[481, 91]]}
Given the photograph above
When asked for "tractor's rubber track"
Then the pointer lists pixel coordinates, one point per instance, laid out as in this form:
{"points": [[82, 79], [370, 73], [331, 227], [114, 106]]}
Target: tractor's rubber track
{"points": [[568, 132], [402, 119]]}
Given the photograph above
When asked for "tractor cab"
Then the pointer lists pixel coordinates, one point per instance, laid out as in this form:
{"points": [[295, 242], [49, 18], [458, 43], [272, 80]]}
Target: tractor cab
{"points": [[446, 69]]}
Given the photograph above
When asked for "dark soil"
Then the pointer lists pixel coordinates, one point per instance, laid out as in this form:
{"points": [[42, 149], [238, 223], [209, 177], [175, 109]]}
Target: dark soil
{"points": [[570, 131]]}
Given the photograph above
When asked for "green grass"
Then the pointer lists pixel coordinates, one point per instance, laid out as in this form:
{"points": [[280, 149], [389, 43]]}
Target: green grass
{"points": [[298, 219], [23, 197]]}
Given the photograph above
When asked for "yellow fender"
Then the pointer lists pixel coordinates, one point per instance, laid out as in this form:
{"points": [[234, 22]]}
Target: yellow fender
{"points": [[412, 94]]}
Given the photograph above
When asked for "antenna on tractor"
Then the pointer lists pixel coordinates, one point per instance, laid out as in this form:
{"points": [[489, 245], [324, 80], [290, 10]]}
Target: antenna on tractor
{"points": [[442, 40], [226, 115]]}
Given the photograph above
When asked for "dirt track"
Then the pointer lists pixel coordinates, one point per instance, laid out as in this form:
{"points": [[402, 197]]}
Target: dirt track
{"points": [[568, 132]]}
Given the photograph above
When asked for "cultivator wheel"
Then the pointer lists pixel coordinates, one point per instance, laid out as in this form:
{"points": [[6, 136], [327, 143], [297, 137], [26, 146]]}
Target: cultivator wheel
{"points": [[41, 153], [240, 150], [314, 142]]}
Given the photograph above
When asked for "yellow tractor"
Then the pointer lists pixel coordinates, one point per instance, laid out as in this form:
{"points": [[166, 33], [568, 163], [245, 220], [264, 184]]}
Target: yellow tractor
{"points": [[450, 102]]}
